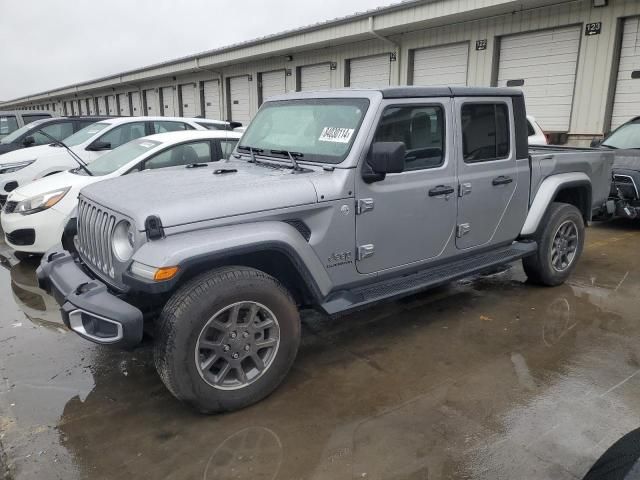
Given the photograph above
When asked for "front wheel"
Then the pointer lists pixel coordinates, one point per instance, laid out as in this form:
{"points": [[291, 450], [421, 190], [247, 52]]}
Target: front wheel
{"points": [[560, 240], [227, 339]]}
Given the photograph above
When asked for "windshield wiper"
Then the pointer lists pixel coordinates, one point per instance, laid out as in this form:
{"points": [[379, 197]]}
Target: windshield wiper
{"points": [[73, 154], [292, 156], [252, 152]]}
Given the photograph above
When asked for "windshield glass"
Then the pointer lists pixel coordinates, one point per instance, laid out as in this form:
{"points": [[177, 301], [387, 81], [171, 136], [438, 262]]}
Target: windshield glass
{"points": [[118, 158], [627, 136], [85, 134], [322, 130], [21, 131]]}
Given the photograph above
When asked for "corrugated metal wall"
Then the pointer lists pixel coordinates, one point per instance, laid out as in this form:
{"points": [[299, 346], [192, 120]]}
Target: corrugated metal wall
{"points": [[409, 29]]}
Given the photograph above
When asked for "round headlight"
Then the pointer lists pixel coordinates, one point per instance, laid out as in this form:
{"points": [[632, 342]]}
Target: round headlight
{"points": [[123, 241]]}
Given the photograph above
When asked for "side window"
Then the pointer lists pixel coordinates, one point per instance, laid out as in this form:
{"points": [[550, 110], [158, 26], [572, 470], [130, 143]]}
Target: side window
{"points": [[485, 132], [227, 147], [80, 124], [420, 128], [162, 127], [123, 134], [8, 123], [32, 118], [185, 154], [59, 131]]}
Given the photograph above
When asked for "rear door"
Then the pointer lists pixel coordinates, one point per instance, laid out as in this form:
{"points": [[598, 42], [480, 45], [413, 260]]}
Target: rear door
{"points": [[409, 217], [487, 171]]}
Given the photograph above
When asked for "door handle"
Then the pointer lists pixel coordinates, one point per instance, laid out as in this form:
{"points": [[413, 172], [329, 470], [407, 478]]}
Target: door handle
{"points": [[441, 190], [501, 180]]}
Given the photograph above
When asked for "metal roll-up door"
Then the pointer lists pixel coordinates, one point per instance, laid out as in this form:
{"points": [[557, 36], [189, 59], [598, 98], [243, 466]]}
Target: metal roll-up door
{"points": [[544, 65], [272, 84], [112, 108], [78, 107], [315, 77], [211, 99], [626, 103], [151, 102], [136, 105], [168, 102], [442, 65], [370, 72], [123, 103], [239, 99], [188, 97]]}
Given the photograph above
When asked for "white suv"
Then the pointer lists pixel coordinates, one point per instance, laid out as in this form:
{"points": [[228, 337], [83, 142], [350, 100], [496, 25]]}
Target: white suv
{"points": [[21, 167]]}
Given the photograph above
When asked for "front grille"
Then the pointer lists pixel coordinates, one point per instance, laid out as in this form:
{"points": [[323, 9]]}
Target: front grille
{"points": [[95, 230], [22, 237], [10, 207]]}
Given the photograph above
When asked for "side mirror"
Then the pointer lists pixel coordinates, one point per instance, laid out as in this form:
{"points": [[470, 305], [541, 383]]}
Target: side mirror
{"points": [[28, 141], [595, 142], [385, 157], [98, 145]]}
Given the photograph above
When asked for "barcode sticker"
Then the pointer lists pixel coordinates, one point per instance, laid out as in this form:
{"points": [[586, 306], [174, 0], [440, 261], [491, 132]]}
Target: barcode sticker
{"points": [[335, 134]]}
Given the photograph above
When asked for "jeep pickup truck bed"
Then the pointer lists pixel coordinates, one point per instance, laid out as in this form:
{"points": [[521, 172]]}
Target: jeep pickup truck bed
{"points": [[333, 201]]}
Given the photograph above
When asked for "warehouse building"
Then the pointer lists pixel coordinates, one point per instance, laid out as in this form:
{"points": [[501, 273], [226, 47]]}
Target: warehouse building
{"points": [[577, 61]]}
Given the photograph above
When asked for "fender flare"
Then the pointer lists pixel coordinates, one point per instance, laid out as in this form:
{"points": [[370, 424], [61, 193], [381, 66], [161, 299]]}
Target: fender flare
{"points": [[210, 246], [547, 191]]}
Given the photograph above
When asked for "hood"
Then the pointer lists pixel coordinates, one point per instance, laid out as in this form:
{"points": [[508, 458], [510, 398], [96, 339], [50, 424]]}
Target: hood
{"points": [[627, 159], [35, 153], [50, 184], [185, 195]]}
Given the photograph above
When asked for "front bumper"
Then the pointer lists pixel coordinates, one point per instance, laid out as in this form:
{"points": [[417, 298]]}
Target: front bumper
{"points": [[87, 306], [47, 225]]}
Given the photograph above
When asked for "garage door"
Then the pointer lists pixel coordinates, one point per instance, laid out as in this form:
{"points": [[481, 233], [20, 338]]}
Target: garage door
{"points": [[370, 72], [211, 94], [111, 105], [626, 102], [544, 65], [123, 103], [135, 104], [151, 102], [188, 97], [315, 77], [78, 107], [169, 102], [272, 83], [443, 65], [239, 99]]}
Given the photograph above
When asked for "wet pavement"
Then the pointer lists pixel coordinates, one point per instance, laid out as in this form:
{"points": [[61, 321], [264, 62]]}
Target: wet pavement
{"points": [[486, 378]]}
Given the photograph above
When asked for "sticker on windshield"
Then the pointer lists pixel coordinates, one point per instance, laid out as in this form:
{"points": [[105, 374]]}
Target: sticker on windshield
{"points": [[335, 134]]}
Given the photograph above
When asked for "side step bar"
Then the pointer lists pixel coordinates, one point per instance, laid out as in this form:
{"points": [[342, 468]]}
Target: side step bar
{"points": [[347, 300]]}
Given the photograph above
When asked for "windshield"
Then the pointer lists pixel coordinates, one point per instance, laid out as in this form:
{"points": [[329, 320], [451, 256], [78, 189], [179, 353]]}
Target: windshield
{"points": [[322, 130], [627, 136], [85, 134], [118, 158], [22, 130]]}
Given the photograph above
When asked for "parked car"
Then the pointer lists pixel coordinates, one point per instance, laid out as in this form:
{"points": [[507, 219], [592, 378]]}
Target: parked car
{"points": [[39, 132], [332, 200], [12, 120], [625, 143], [35, 216], [24, 166], [536, 135]]}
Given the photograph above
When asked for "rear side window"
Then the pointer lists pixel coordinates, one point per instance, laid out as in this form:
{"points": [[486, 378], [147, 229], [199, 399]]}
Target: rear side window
{"points": [[32, 118], [8, 123], [485, 132], [185, 154], [123, 134], [162, 127], [59, 131], [420, 128]]}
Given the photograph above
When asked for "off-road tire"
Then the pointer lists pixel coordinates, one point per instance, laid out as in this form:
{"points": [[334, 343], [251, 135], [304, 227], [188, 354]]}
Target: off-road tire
{"points": [[188, 311], [538, 267]]}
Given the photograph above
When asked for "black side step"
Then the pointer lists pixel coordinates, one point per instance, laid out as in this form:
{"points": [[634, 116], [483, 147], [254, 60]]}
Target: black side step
{"points": [[346, 300]]}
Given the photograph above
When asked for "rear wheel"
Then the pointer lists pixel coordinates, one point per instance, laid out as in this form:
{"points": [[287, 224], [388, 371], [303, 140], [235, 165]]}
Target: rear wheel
{"points": [[560, 240], [227, 339]]}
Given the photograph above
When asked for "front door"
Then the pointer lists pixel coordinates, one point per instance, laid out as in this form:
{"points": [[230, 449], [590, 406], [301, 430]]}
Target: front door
{"points": [[409, 217], [487, 172]]}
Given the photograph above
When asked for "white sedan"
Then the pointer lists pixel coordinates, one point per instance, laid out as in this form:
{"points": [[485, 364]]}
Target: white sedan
{"points": [[35, 216], [23, 166], [536, 135]]}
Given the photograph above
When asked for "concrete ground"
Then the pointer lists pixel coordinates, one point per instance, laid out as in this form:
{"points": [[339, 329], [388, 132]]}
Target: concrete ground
{"points": [[488, 378]]}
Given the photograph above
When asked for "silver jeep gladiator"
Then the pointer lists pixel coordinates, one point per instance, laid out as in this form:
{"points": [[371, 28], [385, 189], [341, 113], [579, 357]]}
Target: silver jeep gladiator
{"points": [[332, 200]]}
